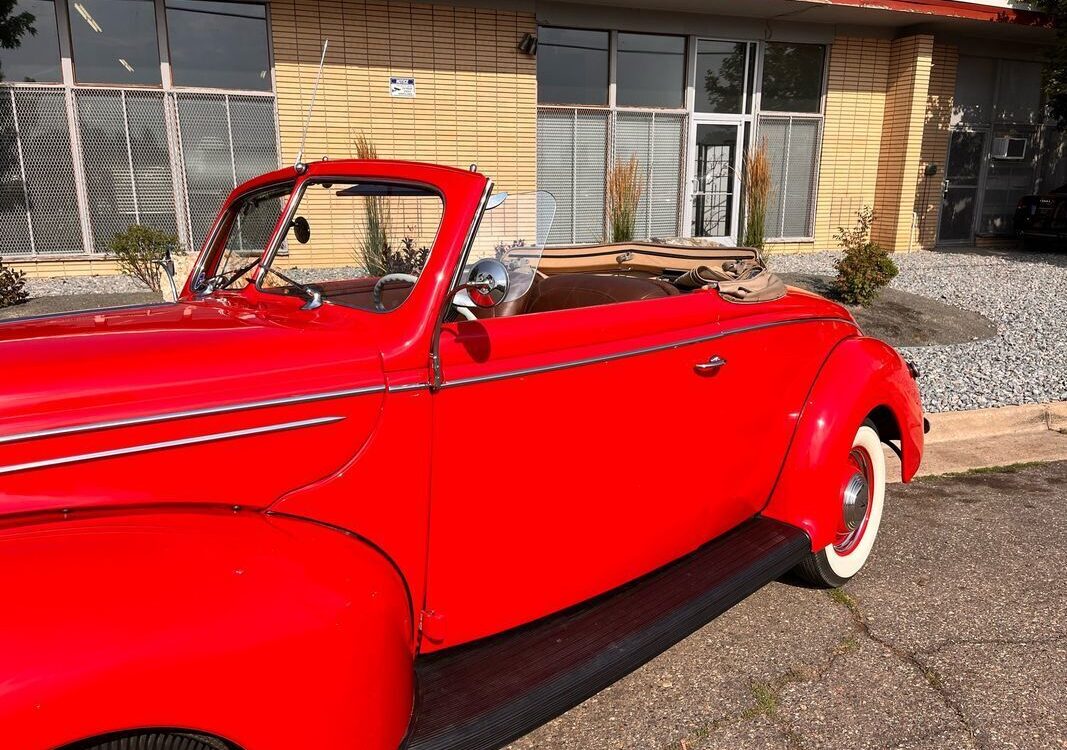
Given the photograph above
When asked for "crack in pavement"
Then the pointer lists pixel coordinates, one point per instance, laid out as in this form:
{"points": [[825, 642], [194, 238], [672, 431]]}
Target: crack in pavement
{"points": [[1040, 640], [928, 673]]}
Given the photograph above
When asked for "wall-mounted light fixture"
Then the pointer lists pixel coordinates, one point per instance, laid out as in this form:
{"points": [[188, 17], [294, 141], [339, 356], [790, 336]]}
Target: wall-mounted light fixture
{"points": [[528, 44]]}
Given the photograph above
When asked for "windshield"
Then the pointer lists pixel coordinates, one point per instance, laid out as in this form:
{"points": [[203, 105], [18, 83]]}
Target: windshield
{"points": [[356, 243], [244, 234]]}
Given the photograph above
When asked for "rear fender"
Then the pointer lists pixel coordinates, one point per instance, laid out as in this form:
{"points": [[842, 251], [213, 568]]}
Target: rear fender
{"points": [[862, 376], [268, 632]]}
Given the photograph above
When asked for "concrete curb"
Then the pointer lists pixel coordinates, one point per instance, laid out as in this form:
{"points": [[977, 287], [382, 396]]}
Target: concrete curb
{"points": [[984, 438]]}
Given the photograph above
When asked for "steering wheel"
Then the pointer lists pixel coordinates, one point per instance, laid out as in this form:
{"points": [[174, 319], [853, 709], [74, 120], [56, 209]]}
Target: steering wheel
{"points": [[385, 280]]}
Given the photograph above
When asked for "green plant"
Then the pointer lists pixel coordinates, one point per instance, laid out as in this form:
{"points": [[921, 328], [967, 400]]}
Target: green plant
{"points": [[757, 177], [375, 243], [12, 286], [625, 186], [138, 251], [865, 267], [408, 259]]}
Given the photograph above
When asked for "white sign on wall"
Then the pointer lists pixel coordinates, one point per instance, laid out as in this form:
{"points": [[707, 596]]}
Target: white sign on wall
{"points": [[402, 87]]}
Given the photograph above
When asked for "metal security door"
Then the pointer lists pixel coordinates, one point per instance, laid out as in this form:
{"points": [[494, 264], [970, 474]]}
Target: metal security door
{"points": [[963, 172], [716, 182]]}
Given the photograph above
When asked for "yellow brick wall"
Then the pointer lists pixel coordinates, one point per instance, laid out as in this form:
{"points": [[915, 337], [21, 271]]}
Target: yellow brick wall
{"points": [[44, 268], [899, 168], [852, 136], [936, 131], [476, 94]]}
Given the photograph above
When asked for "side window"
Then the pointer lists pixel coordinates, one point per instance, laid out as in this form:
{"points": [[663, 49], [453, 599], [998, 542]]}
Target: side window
{"points": [[361, 244]]}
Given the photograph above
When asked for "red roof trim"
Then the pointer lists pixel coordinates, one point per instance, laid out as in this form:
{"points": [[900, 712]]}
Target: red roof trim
{"points": [[954, 9]]}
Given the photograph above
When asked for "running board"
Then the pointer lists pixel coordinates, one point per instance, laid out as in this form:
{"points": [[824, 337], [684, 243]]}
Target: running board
{"points": [[483, 695]]}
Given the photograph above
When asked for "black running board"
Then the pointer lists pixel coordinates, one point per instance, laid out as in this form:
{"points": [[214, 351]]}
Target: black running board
{"points": [[483, 695]]}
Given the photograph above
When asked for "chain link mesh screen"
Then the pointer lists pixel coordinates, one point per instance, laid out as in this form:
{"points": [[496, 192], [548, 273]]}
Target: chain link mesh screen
{"points": [[793, 152], [38, 203], [129, 141], [656, 140]]}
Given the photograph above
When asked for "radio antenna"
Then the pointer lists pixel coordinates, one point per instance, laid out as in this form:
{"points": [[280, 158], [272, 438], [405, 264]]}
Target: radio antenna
{"points": [[311, 107]]}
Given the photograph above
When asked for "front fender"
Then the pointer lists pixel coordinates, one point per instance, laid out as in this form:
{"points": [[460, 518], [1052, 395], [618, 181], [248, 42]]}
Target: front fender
{"points": [[861, 376], [269, 632]]}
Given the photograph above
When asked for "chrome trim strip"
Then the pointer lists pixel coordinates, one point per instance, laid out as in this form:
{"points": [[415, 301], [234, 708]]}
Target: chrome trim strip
{"points": [[146, 447], [209, 411], [86, 311], [635, 352], [408, 387]]}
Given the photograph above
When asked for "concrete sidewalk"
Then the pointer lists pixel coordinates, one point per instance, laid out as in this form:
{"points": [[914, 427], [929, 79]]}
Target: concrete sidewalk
{"points": [[966, 440]]}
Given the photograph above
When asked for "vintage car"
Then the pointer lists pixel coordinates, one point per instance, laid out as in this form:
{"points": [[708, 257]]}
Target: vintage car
{"points": [[388, 474]]}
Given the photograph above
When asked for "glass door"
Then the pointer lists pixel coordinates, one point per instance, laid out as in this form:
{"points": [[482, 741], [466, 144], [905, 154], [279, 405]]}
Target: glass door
{"points": [[717, 179], [963, 172]]}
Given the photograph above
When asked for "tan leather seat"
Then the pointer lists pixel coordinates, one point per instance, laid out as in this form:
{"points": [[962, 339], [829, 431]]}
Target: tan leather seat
{"points": [[570, 290]]}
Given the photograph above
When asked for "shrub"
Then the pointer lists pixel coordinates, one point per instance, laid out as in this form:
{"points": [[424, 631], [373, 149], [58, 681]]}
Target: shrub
{"points": [[12, 286], [624, 193], [408, 259], [757, 175], [375, 243], [138, 251], [866, 266]]}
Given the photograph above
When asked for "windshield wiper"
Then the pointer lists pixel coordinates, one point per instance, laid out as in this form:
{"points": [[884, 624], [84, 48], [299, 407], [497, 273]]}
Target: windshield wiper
{"points": [[314, 294]]}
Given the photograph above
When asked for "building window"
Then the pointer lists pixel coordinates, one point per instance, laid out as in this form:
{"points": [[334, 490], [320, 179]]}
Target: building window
{"points": [[656, 140], [724, 77], [218, 45], [572, 152], [115, 41], [36, 58], [793, 148], [650, 71], [792, 77], [572, 66]]}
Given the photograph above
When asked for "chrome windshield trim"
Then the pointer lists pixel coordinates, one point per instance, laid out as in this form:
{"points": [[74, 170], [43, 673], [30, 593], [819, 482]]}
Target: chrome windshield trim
{"points": [[147, 447], [634, 352], [169, 416]]}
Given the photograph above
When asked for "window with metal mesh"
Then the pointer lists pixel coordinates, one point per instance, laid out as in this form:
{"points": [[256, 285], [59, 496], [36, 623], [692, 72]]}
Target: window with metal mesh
{"points": [[572, 151], [38, 205], [656, 140], [793, 151], [127, 162]]}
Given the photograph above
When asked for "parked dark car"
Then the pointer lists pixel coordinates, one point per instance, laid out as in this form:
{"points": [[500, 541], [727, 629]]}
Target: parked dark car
{"points": [[1041, 220]]}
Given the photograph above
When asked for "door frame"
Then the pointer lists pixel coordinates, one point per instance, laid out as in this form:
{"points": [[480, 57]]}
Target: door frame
{"points": [[745, 122], [691, 172], [979, 196]]}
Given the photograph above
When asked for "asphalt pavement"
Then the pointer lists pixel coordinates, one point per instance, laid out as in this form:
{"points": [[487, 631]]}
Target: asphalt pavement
{"points": [[953, 636]]}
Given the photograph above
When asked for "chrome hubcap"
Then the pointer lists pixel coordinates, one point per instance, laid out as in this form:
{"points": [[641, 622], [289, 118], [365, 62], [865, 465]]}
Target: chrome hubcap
{"points": [[857, 495]]}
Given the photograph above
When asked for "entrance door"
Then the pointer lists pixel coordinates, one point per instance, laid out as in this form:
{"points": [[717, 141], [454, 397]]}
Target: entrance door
{"points": [[717, 179], [963, 171]]}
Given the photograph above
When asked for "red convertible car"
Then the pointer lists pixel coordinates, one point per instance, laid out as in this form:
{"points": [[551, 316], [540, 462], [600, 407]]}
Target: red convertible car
{"points": [[388, 475]]}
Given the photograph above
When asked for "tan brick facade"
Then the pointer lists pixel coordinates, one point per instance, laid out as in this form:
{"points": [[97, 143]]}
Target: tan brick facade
{"points": [[476, 94], [899, 162]]}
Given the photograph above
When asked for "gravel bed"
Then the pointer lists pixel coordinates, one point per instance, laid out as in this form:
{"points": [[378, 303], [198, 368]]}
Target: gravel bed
{"points": [[1023, 293], [115, 284]]}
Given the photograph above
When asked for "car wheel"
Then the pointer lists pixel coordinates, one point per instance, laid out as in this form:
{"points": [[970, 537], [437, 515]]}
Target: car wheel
{"points": [[862, 499], [157, 741]]}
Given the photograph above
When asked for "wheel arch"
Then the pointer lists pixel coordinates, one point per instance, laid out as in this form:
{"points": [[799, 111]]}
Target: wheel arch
{"points": [[263, 632], [861, 379], [214, 741]]}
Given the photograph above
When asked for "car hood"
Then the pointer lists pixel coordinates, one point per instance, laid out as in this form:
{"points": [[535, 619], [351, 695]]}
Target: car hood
{"points": [[125, 362]]}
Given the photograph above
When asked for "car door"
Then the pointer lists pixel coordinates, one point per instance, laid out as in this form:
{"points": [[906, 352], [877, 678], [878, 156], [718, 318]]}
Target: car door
{"points": [[573, 451]]}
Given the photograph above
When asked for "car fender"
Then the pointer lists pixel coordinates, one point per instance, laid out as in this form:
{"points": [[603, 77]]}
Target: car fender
{"points": [[862, 377], [265, 631]]}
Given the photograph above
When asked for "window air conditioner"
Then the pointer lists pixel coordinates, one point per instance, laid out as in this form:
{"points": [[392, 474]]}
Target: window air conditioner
{"points": [[1009, 148]]}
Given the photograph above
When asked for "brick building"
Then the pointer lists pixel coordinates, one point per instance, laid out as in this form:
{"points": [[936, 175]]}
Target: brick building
{"points": [[930, 111]]}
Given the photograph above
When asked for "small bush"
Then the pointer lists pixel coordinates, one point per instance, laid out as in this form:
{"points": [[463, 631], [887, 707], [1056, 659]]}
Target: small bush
{"points": [[866, 266], [12, 286], [408, 259], [138, 251]]}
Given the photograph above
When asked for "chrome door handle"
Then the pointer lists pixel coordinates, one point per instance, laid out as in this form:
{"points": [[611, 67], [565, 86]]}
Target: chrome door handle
{"points": [[712, 364]]}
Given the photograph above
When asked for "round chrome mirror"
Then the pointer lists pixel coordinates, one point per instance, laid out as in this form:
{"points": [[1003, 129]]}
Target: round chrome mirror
{"points": [[488, 283]]}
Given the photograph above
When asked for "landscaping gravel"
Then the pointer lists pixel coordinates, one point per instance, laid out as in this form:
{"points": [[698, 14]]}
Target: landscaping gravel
{"points": [[114, 284], [1023, 293]]}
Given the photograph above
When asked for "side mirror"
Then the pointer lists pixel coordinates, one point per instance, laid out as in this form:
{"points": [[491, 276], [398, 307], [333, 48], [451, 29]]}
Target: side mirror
{"points": [[166, 265], [487, 285], [302, 230]]}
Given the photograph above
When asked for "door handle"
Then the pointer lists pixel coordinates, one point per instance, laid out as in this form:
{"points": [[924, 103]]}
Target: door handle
{"points": [[712, 364]]}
